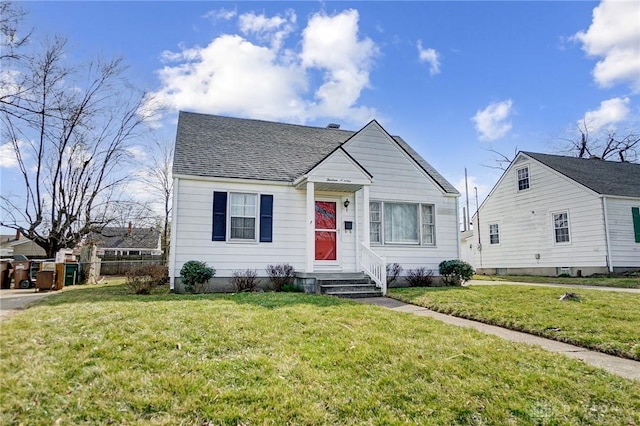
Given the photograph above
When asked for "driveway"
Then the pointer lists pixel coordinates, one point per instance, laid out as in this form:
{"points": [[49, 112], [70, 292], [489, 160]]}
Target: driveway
{"points": [[15, 300]]}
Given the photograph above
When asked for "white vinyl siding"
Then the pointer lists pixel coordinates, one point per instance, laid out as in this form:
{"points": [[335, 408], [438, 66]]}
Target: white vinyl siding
{"points": [[526, 225], [398, 179], [242, 216], [625, 251]]}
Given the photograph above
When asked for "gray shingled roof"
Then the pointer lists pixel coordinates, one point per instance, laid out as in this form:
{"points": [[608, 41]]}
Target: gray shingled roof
{"points": [[216, 146], [603, 177], [117, 237]]}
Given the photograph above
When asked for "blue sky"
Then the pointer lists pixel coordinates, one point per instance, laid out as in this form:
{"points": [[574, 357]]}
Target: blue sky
{"points": [[454, 79]]}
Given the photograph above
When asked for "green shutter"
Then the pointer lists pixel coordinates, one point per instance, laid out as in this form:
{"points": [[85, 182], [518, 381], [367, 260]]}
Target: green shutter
{"points": [[635, 212]]}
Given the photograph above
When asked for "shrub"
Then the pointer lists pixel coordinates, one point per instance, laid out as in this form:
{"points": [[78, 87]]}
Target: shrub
{"points": [[420, 277], [292, 288], [455, 272], [393, 272], [143, 279], [195, 275], [245, 281], [280, 275]]}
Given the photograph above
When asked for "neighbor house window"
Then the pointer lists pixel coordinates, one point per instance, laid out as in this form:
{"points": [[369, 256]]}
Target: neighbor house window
{"points": [[561, 227], [375, 223], [494, 234], [402, 223], [243, 216], [428, 225], [523, 178]]}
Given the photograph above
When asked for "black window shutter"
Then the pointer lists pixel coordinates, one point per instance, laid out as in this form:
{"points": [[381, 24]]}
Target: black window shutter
{"points": [[219, 216], [266, 218], [635, 212]]}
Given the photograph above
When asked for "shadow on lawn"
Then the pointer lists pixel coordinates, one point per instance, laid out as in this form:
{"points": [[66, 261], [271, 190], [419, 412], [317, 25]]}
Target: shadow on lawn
{"points": [[120, 293]]}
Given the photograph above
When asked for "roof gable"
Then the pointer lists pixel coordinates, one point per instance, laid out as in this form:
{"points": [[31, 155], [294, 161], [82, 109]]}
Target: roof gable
{"points": [[123, 237], [601, 176], [413, 156], [224, 147]]}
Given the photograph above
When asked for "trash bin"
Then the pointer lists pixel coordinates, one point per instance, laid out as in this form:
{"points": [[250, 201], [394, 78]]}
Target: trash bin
{"points": [[46, 280], [5, 268], [71, 273], [21, 274]]}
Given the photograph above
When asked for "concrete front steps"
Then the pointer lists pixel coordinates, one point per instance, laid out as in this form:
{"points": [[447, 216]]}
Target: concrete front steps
{"points": [[347, 285], [350, 286]]}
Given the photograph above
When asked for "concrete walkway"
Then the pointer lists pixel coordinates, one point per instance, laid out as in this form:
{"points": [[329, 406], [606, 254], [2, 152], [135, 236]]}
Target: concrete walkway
{"points": [[575, 286], [626, 368]]}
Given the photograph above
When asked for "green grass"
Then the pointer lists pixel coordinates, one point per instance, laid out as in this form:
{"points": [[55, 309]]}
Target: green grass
{"points": [[623, 282], [604, 320], [96, 355]]}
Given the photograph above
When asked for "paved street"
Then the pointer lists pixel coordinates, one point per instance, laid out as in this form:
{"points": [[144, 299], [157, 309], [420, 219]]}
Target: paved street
{"points": [[15, 300]]}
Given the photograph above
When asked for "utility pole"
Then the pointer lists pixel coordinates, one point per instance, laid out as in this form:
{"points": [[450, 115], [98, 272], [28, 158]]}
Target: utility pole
{"points": [[478, 222], [467, 219]]}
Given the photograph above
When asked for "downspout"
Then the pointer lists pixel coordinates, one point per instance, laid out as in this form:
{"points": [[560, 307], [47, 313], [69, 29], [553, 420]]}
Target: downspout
{"points": [[606, 233], [458, 229], [356, 209], [174, 234]]}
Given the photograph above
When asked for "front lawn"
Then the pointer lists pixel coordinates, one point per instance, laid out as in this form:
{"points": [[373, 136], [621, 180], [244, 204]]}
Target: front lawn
{"points": [[604, 320], [623, 282], [96, 355]]}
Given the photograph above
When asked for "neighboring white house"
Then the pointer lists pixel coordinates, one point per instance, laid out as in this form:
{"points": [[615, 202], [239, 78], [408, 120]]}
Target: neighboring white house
{"points": [[249, 193], [551, 215]]}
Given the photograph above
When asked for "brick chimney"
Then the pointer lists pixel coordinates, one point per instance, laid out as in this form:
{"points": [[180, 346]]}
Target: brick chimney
{"points": [[130, 228]]}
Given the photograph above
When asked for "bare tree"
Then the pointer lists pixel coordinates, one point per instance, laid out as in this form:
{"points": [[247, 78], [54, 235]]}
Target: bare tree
{"points": [[501, 161], [158, 179], [607, 145], [10, 18], [69, 127]]}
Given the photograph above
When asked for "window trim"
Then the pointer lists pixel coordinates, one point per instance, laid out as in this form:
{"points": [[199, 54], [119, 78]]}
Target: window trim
{"points": [[553, 227], [256, 226], [518, 169], [379, 222], [497, 234], [418, 205]]}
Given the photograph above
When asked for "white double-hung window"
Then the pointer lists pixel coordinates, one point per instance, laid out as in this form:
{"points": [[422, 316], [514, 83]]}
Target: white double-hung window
{"points": [[561, 227], [243, 216], [402, 223]]}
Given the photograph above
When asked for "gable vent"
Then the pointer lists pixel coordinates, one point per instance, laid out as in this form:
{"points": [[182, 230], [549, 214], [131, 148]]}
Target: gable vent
{"points": [[333, 126]]}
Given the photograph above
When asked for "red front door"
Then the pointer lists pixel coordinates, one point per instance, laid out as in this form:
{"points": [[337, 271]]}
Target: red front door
{"points": [[326, 231]]}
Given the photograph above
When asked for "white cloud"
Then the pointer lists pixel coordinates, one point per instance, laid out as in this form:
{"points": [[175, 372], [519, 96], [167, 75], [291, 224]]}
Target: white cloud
{"points": [[614, 35], [254, 75], [610, 112], [274, 30], [331, 44], [431, 57], [220, 14], [8, 155], [491, 122], [138, 153]]}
